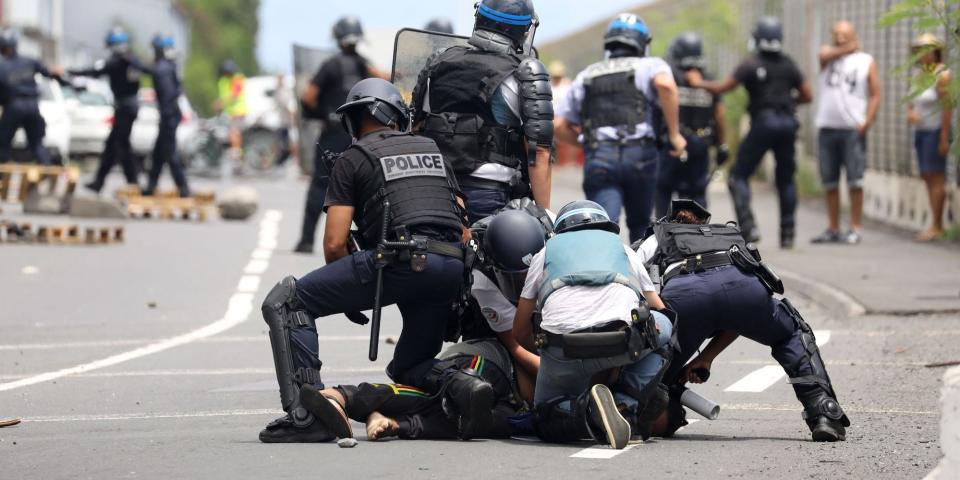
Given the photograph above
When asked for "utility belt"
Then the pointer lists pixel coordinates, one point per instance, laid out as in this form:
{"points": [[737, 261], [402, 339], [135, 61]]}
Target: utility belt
{"points": [[703, 133], [748, 261], [622, 341], [414, 249], [623, 142]]}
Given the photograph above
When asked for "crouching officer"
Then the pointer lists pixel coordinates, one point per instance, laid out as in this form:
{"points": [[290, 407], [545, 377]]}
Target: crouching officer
{"points": [[615, 107], [775, 85], [489, 107], [701, 123], [396, 187], [593, 292], [19, 95], [718, 283]]}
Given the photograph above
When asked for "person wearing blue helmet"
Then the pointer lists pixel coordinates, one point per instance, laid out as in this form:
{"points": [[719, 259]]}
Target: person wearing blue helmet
{"points": [[123, 70], [488, 105], [19, 96], [617, 109], [166, 84]]}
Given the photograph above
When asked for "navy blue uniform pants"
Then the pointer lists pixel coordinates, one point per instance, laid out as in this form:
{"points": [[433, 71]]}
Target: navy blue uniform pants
{"points": [[23, 113], [483, 202], [336, 140], [117, 147], [769, 131], [687, 178], [622, 177], [348, 285], [725, 298], [165, 152]]}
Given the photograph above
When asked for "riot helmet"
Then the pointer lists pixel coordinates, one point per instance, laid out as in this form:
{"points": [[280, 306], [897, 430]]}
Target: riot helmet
{"points": [[348, 32], [228, 68], [117, 40], [768, 35], [627, 35], [511, 239], [378, 98], [504, 24], [584, 215], [8, 42], [699, 211], [162, 45], [687, 51], [440, 25]]}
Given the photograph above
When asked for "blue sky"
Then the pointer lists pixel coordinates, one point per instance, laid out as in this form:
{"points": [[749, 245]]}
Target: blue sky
{"points": [[308, 22]]}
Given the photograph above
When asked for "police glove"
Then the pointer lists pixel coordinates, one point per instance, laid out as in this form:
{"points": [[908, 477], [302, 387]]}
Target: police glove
{"points": [[723, 153], [357, 317]]}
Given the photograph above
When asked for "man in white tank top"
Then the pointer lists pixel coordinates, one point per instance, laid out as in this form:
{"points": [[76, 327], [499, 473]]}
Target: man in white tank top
{"points": [[849, 99]]}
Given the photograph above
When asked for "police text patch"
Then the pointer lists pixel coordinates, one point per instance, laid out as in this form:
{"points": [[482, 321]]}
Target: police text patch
{"points": [[413, 165]]}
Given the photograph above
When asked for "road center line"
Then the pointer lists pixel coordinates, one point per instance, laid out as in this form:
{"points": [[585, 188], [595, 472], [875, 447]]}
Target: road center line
{"points": [[238, 309], [762, 378], [598, 452]]}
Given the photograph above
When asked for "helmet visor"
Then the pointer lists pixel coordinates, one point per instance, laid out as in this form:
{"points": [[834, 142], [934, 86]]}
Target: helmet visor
{"points": [[510, 283]]}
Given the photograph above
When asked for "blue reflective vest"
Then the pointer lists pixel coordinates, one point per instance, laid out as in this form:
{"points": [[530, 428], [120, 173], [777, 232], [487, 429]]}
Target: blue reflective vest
{"points": [[588, 257]]}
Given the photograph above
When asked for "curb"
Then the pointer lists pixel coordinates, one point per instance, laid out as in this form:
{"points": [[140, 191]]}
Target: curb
{"points": [[949, 467], [828, 296]]}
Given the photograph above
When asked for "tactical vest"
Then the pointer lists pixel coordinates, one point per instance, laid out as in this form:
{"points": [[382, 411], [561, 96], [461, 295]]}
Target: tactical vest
{"points": [[679, 241], [462, 82], [588, 257], [696, 106], [611, 97], [350, 70], [410, 172]]}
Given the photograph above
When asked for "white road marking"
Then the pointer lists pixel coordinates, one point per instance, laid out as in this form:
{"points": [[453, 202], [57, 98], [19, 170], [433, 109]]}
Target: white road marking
{"points": [[261, 254], [238, 309], [151, 416], [199, 372], [143, 341], [249, 283], [256, 267], [764, 377], [606, 453]]}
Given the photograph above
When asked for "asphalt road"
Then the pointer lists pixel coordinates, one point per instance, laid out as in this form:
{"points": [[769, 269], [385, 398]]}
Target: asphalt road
{"points": [[150, 360]]}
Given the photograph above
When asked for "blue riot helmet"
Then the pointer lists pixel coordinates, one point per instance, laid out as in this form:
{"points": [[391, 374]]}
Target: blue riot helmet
{"points": [[348, 31], [687, 51], [506, 23], [511, 239], [627, 31], [8, 42], [440, 25], [584, 215], [117, 39], [768, 35], [162, 45], [378, 98]]}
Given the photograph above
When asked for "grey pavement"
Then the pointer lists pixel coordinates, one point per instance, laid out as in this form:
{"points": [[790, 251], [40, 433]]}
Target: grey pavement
{"points": [[120, 389]]}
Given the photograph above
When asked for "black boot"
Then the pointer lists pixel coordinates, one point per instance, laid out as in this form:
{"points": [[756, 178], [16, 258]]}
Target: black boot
{"points": [[285, 430], [326, 411], [787, 235], [473, 399], [824, 417]]}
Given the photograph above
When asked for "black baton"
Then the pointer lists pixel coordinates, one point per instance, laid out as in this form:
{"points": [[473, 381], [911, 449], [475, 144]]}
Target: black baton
{"points": [[380, 263]]}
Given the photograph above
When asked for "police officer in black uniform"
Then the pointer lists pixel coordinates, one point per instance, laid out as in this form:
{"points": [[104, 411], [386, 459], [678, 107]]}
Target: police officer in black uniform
{"points": [[720, 288], [166, 84], [325, 93], [701, 123], [385, 174], [775, 86], [123, 70], [488, 106], [18, 95]]}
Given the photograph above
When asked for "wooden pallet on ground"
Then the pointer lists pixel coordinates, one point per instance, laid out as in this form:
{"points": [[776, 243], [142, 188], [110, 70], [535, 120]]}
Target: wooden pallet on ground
{"points": [[54, 180], [68, 234], [133, 191], [166, 204]]}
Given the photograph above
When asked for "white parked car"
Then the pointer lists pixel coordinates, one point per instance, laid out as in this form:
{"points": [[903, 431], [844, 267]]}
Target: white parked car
{"points": [[91, 112], [53, 108], [145, 128]]}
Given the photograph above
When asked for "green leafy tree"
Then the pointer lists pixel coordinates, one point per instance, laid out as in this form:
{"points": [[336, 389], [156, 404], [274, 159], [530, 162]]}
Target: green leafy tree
{"points": [[220, 29]]}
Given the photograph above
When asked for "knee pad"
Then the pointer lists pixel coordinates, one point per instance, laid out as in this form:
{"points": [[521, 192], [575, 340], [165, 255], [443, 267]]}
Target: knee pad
{"points": [[553, 423]]}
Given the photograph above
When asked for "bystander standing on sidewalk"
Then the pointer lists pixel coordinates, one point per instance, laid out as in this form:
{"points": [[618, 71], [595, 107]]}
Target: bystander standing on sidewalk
{"points": [[931, 115], [849, 100]]}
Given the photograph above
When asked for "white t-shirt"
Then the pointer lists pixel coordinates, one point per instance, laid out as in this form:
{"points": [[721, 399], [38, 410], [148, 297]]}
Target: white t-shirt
{"points": [[498, 311], [844, 92], [579, 306]]}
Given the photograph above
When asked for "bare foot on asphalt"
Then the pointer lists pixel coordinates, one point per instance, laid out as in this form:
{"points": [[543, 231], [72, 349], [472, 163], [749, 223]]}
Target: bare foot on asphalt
{"points": [[380, 426]]}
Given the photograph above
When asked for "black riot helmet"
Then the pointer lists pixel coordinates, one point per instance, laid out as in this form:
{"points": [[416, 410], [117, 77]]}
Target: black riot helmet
{"points": [[228, 68], [687, 51], [348, 31], [627, 32], [441, 25], [378, 98], [584, 215], [8, 42], [768, 35], [511, 239], [694, 207], [511, 18]]}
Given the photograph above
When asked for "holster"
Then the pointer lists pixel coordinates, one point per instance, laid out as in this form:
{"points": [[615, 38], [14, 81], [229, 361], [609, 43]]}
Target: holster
{"points": [[746, 262]]}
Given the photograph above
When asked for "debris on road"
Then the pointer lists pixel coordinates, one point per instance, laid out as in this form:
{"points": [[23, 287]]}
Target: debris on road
{"points": [[347, 442], [951, 363], [9, 422]]}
